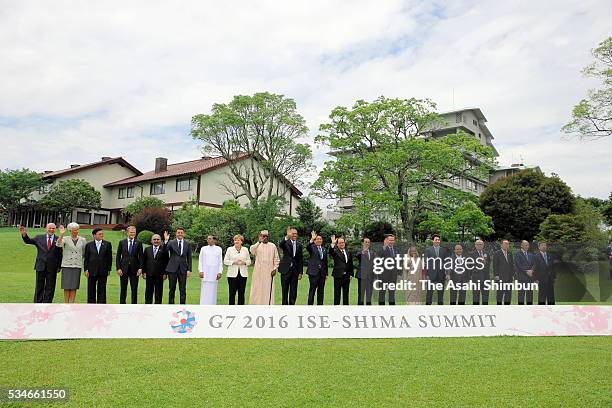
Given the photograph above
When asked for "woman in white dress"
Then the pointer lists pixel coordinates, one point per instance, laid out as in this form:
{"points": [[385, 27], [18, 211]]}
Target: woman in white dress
{"points": [[237, 259], [210, 267]]}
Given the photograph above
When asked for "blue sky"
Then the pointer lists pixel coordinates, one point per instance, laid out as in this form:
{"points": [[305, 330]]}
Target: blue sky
{"points": [[85, 80]]}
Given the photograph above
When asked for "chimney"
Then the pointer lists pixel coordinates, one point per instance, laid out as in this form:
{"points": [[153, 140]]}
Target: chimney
{"points": [[161, 164], [105, 158], [72, 166], [206, 157], [515, 165], [48, 171]]}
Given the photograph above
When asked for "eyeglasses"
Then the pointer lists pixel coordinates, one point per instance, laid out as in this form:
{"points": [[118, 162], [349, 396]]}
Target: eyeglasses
{"points": [[264, 236]]}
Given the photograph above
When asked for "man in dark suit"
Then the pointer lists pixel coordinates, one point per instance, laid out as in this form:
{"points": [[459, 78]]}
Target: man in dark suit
{"points": [[97, 264], [389, 275], [523, 266], [129, 264], [154, 263], [179, 265], [290, 266], [459, 275], [545, 275], [365, 273], [343, 270], [480, 273], [317, 268], [435, 257], [503, 270], [48, 262]]}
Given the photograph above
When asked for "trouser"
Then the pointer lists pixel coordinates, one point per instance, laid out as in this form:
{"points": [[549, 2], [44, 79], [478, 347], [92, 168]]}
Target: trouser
{"points": [[181, 277], [386, 278], [480, 295], [154, 284], [457, 296], [236, 285], [130, 276], [525, 294], [317, 285], [289, 286], [364, 291], [45, 286], [504, 296], [439, 278], [546, 292], [96, 288], [341, 287]]}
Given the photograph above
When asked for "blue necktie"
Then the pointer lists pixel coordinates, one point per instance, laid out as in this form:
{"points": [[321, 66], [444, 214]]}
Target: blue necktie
{"points": [[320, 252], [130, 247]]}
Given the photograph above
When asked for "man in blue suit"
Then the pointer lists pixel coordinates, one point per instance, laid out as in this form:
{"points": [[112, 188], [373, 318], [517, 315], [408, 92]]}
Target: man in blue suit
{"points": [[48, 262], [317, 268], [523, 266], [435, 257], [179, 265]]}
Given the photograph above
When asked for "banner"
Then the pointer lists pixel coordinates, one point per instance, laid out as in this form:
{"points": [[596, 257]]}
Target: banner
{"points": [[79, 321]]}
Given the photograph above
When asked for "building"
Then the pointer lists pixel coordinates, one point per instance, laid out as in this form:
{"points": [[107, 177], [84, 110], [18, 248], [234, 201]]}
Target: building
{"points": [[505, 171], [201, 181]]}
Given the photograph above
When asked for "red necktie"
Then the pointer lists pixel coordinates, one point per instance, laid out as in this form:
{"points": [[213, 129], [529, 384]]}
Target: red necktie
{"points": [[48, 243]]}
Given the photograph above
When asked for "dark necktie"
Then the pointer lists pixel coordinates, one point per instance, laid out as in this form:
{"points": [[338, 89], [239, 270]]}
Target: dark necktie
{"points": [[320, 253], [48, 243], [130, 247]]}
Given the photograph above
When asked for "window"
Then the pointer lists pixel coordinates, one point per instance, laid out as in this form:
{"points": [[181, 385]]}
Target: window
{"points": [[470, 185], [45, 189], [122, 192], [458, 117], [475, 122], [100, 219], [129, 192], [456, 180], [157, 188], [83, 218], [184, 184]]}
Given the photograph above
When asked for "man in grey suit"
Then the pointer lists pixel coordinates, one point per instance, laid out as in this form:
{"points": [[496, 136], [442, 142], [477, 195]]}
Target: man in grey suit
{"points": [[180, 264], [480, 273], [47, 264], [435, 256], [523, 265]]}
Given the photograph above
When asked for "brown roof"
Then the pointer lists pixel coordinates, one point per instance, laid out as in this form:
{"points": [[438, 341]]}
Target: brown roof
{"points": [[198, 166], [106, 161]]}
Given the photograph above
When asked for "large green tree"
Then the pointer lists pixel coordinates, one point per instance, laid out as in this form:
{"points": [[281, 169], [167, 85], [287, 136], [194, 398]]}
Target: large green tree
{"points": [[519, 203], [592, 116], [389, 165], [309, 214], [68, 195], [16, 186], [265, 126]]}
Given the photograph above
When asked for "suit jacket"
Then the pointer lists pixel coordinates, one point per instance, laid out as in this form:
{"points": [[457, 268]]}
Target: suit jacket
{"points": [[365, 266], [342, 265], [435, 269], [154, 265], [178, 263], [543, 271], [522, 263], [46, 259], [126, 262], [480, 272], [316, 265], [98, 264], [289, 262], [503, 268]]}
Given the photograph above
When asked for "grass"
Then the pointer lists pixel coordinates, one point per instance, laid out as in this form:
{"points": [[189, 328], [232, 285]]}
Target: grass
{"points": [[500, 371]]}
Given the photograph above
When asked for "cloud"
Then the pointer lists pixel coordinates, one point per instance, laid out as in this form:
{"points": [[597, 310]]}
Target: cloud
{"points": [[115, 78]]}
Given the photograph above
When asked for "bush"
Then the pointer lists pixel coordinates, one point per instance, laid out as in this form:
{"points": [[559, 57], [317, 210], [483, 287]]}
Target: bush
{"points": [[152, 219], [141, 203], [145, 236], [377, 230]]}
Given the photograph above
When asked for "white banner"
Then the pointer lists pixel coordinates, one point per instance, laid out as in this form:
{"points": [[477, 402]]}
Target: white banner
{"points": [[76, 321]]}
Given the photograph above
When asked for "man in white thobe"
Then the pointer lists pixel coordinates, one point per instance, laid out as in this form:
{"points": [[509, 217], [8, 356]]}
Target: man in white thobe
{"points": [[210, 267]]}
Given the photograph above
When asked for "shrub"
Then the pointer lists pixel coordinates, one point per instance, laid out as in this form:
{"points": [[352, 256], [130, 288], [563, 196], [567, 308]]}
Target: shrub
{"points": [[152, 219], [145, 236]]}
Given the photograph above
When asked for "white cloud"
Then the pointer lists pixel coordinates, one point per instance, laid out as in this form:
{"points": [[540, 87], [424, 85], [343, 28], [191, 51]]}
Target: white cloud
{"points": [[116, 78]]}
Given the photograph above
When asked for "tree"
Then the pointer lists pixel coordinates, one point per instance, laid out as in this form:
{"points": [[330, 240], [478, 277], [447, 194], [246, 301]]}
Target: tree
{"points": [[264, 127], [152, 219], [68, 195], [141, 203], [223, 223], [16, 186], [377, 230], [469, 222], [592, 117], [309, 214], [606, 210], [519, 203], [388, 163]]}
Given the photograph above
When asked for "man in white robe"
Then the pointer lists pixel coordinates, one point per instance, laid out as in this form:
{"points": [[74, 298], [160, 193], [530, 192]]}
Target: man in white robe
{"points": [[210, 267]]}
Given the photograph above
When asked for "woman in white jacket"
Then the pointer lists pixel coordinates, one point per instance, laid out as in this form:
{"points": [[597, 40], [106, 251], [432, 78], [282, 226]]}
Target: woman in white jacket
{"points": [[237, 259], [72, 260]]}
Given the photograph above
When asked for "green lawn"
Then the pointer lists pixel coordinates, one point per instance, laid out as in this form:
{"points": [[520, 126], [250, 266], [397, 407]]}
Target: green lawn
{"points": [[501, 371]]}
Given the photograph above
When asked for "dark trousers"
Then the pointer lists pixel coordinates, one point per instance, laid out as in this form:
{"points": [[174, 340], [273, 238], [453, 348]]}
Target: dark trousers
{"points": [[364, 290], [439, 278], [386, 278], [341, 289], [546, 292], [236, 285], [524, 294], [458, 296], [480, 295], [130, 276], [181, 277], [96, 289], [504, 296], [45, 286], [154, 284], [317, 285], [289, 286]]}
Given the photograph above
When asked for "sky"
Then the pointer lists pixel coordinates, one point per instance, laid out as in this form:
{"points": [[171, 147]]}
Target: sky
{"points": [[82, 80]]}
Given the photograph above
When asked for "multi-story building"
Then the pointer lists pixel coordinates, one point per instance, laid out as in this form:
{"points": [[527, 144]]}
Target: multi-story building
{"points": [[201, 181]]}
